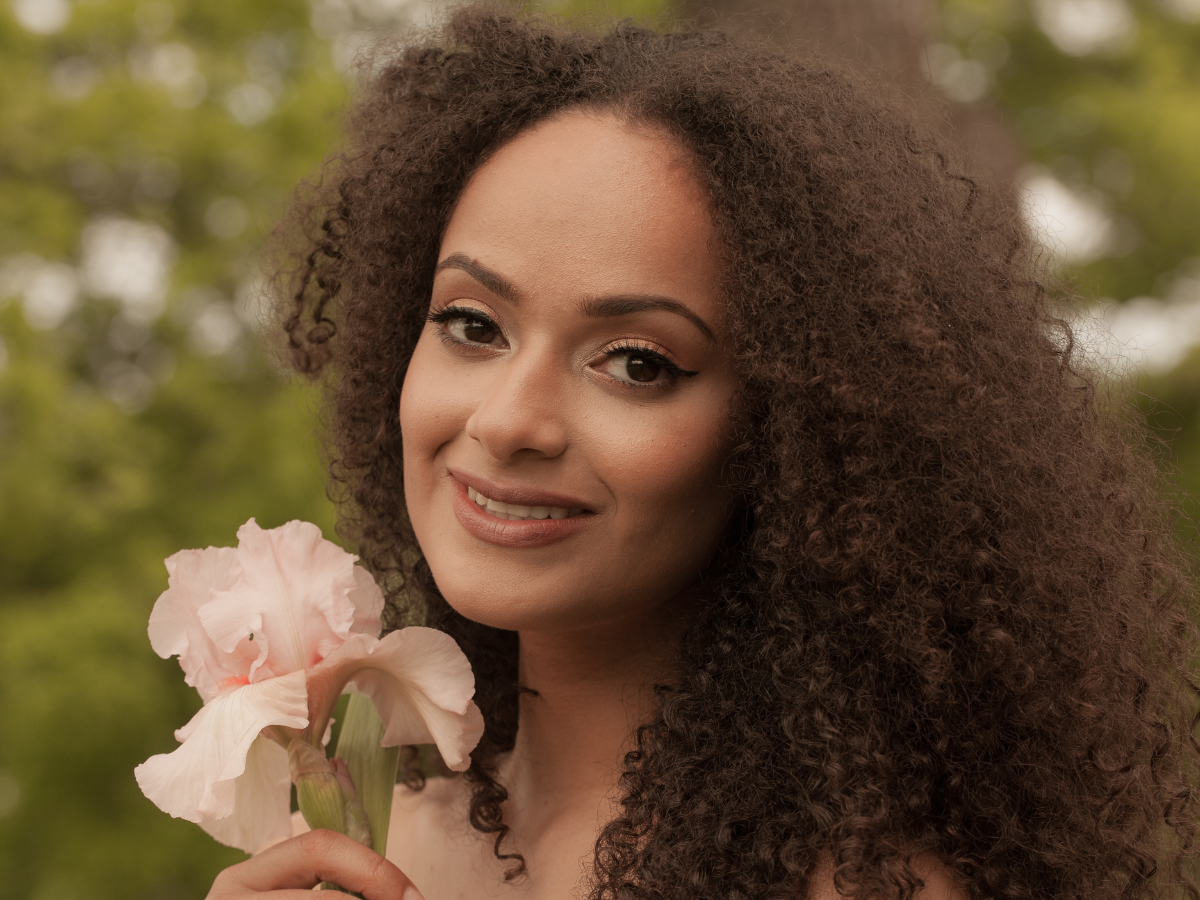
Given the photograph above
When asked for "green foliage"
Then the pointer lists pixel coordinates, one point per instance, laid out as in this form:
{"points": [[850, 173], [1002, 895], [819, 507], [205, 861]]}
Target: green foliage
{"points": [[99, 484], [94, 499], [1117, 124]]}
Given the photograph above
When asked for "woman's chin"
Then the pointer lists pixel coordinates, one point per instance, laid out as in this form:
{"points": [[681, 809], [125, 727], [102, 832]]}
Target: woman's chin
{"points": [[516, 610], [521, 601], [510, 604]]}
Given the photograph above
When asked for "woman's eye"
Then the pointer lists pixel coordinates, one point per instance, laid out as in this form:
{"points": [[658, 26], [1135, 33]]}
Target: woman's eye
{"points": [[472, 329], [641, 367]]}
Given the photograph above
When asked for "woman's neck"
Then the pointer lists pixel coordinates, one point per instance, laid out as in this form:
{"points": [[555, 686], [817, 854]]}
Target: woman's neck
{"points": [[594, 688]]}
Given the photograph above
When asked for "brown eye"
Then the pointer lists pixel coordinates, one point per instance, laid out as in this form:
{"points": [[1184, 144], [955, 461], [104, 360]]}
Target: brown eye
{"points": [[642, 369], [473, 329], [642, 366]]}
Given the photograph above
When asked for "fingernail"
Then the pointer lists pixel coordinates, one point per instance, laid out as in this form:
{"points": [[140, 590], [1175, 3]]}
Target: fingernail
{"points": [[412, 894]]}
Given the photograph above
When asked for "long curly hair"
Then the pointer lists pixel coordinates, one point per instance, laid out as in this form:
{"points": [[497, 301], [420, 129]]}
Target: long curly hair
{"points": [[950, 619]]}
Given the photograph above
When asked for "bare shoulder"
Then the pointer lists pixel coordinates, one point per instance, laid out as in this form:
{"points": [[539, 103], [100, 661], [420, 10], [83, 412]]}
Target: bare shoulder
{"points": [[438, 808], [436, 792], [939, 883]]}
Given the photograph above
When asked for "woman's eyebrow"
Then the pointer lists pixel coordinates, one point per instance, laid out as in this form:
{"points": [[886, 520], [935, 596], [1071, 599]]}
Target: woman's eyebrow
{"points": [[626, 304], [596, 307], [493, 281]]}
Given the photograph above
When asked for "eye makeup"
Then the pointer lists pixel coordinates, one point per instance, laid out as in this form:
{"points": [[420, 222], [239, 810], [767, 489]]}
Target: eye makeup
{"points": [[633, 362]]}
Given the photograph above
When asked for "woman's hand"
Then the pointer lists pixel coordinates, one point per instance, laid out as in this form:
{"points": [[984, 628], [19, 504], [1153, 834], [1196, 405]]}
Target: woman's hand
{"points": [[290, 870]]}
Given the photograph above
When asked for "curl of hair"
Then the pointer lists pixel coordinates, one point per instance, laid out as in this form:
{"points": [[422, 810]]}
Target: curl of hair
{"points": [[952, 619]]}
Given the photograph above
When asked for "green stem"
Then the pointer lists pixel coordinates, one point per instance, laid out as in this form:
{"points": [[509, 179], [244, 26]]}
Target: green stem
{"points": [[351, 795], [372, 767], [317, 789], [330, 886]]}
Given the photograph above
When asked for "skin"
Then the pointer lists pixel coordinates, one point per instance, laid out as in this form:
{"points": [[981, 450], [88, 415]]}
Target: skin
{"points": [[530, 388], [544, 407]]}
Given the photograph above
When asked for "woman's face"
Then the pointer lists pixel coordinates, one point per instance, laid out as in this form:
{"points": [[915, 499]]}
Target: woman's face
{"points": [[564, 412]]}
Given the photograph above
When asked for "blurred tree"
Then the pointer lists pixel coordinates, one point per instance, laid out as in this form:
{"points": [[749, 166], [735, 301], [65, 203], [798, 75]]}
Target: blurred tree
{"points": [[1104, 96], [145, 148], [889, 40]]}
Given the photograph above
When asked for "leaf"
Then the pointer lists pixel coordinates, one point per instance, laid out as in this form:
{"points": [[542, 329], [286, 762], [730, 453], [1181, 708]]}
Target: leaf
{"points": [[372, 767]]}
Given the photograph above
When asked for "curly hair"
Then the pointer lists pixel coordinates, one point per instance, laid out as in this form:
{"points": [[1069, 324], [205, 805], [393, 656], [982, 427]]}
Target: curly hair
{"points": [[951, 617]]}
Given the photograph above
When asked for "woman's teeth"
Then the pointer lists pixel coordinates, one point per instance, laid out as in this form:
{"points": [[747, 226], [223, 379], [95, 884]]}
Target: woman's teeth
{"points": [[520, 513]]}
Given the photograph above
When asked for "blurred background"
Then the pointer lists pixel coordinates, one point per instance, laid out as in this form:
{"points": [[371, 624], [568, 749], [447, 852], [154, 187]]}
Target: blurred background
{"points": [[146, 148]]}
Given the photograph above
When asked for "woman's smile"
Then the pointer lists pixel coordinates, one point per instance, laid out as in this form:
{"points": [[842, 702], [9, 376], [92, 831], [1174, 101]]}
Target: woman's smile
{"points": [[515, 512], [527, 517]]}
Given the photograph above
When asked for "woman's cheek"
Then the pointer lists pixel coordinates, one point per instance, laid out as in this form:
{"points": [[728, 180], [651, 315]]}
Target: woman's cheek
{"points": [[667, 472], [429, 414]]}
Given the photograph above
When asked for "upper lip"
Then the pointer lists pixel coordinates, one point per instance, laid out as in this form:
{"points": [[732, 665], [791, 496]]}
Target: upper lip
{"points": [[517, 495]]}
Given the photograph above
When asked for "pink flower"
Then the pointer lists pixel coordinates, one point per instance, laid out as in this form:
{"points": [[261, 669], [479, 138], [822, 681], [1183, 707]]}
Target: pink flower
{"points": [[270, 634]]}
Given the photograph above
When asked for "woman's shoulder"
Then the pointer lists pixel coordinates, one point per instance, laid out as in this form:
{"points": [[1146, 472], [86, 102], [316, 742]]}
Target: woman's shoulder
{"points": [[438, 807], [428, 824]]}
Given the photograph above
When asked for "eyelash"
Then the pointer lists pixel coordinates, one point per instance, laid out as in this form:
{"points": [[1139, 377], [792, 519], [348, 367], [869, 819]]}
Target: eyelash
{"points": [[674, 371], [450, 314], [636, 348]]}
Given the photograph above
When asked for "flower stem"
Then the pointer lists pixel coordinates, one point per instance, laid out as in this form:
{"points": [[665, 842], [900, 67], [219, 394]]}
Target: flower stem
{"points": [[357, 824], [372, 767], [317, 788], [352, 793], [327, 797], [330, 886]]}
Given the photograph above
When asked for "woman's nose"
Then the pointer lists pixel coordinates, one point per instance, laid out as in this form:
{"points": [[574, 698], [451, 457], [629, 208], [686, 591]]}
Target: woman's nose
{"points": [[522, 410]]}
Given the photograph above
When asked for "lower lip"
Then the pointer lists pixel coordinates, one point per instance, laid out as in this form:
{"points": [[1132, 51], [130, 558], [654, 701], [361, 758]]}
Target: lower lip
{"points": [[510, 532]]}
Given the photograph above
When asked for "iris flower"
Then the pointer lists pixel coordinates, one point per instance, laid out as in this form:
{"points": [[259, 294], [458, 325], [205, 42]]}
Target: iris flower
{"points": [[270, 633]]}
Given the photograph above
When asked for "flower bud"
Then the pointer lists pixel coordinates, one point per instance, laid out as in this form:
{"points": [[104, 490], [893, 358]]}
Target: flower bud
{"points": [[317, 788]]}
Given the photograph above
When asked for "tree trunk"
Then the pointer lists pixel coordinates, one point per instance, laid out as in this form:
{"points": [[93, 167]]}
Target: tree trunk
{"points": [[887, 39]]}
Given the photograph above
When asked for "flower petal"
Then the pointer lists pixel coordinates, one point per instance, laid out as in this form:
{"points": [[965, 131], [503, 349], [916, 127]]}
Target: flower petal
{"points": [[414, 719], [195, 782], [368, 603], [175, 627], [420, 682], [295, 586], [261, 798]]}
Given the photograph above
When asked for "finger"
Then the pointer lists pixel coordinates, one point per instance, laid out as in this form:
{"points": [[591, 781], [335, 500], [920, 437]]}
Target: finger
{"points": [[307, 860]]}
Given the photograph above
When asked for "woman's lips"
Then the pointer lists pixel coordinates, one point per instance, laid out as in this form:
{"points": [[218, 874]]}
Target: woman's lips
{"points": [[521, 496], [514, 532]]}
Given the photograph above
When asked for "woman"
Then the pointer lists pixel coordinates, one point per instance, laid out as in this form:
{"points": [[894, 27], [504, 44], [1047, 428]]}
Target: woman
{"points": [[725, 428]]}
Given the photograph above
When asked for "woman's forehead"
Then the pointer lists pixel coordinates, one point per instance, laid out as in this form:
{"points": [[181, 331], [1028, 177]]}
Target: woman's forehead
{"points": [[593, 203]]}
